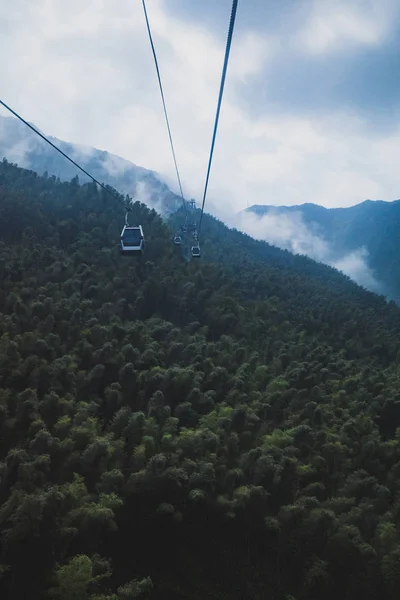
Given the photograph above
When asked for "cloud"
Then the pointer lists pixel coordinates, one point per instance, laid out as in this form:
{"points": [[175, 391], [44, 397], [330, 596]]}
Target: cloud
{"points": [[285, 231], [355, 266], [335, 23], [290, 232], [89, 78], [143, 194], [21, 146], [18, 152], [115, 165]]}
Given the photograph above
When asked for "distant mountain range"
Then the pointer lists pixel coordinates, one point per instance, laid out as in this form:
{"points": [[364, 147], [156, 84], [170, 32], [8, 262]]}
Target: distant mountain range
{"points": [[365, 236], [20, 145]]}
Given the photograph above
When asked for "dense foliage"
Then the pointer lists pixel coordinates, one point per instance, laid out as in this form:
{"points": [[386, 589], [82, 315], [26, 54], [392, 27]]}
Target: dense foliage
{"points": [[188, 430]]}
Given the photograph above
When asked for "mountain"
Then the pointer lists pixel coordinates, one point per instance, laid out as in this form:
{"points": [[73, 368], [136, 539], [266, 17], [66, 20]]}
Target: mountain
{"points": [[368, 232], [361, 241], [221, 428], [20, 145]]}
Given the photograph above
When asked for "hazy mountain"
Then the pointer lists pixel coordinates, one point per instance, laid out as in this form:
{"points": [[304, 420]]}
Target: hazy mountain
{"points": [[361, 241], [22, 146], [364, 237]]}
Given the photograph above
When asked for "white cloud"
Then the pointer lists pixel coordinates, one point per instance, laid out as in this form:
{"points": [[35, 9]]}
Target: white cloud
{"points": [[290, 232], [355, 266], [85, 73], [335, 23], [286, 231], [115, 165]]}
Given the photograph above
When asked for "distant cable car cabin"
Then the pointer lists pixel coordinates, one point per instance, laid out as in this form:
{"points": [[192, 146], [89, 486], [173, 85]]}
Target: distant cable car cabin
{"points": [[196, 251], [132, 241], [177, 240]]}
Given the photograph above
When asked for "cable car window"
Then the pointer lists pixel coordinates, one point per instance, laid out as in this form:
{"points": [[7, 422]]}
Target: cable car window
{"points": [[132, 237]]}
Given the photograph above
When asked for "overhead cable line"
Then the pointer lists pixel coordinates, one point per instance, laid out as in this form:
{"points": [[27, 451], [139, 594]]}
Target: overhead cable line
{"points": [[59, 150], [221, 91], [164, 104]]}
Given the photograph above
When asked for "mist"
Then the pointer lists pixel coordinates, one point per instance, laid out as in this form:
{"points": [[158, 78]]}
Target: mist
{"points": [[290, 232]]}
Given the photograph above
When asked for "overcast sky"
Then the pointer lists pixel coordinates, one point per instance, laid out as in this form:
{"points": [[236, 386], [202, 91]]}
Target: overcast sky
{"points": [[311, 107]]}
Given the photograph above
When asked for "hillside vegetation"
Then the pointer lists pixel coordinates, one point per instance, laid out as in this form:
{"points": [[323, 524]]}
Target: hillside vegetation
{"points": [[226, 428]]}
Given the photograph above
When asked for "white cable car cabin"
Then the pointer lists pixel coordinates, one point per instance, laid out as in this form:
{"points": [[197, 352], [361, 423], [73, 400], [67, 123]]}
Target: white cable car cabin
{"points": [[132, 240], [177, 240], [196, 251]]}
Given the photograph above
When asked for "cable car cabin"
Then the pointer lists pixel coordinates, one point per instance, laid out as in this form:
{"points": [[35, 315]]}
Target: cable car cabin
{"points": [[196, 251], [132, 241], [177, 240]]}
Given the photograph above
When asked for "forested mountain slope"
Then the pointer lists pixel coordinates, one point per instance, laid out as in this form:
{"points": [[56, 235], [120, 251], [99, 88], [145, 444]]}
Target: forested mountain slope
{"points": [[187, 430], [373, 225], [23, 146], [256, 262]]}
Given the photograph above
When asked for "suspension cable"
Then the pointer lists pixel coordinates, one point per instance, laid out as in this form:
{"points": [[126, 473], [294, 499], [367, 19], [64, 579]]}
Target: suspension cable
{"points": [[108, 190], [164, 105], [221, 91]]}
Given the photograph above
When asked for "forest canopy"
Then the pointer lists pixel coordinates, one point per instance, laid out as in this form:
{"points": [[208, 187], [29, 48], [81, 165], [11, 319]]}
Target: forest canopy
{"points": [[226, 428]]}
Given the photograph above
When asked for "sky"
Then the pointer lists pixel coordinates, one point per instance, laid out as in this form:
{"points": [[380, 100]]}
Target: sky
{"points": [[311, 110]]}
